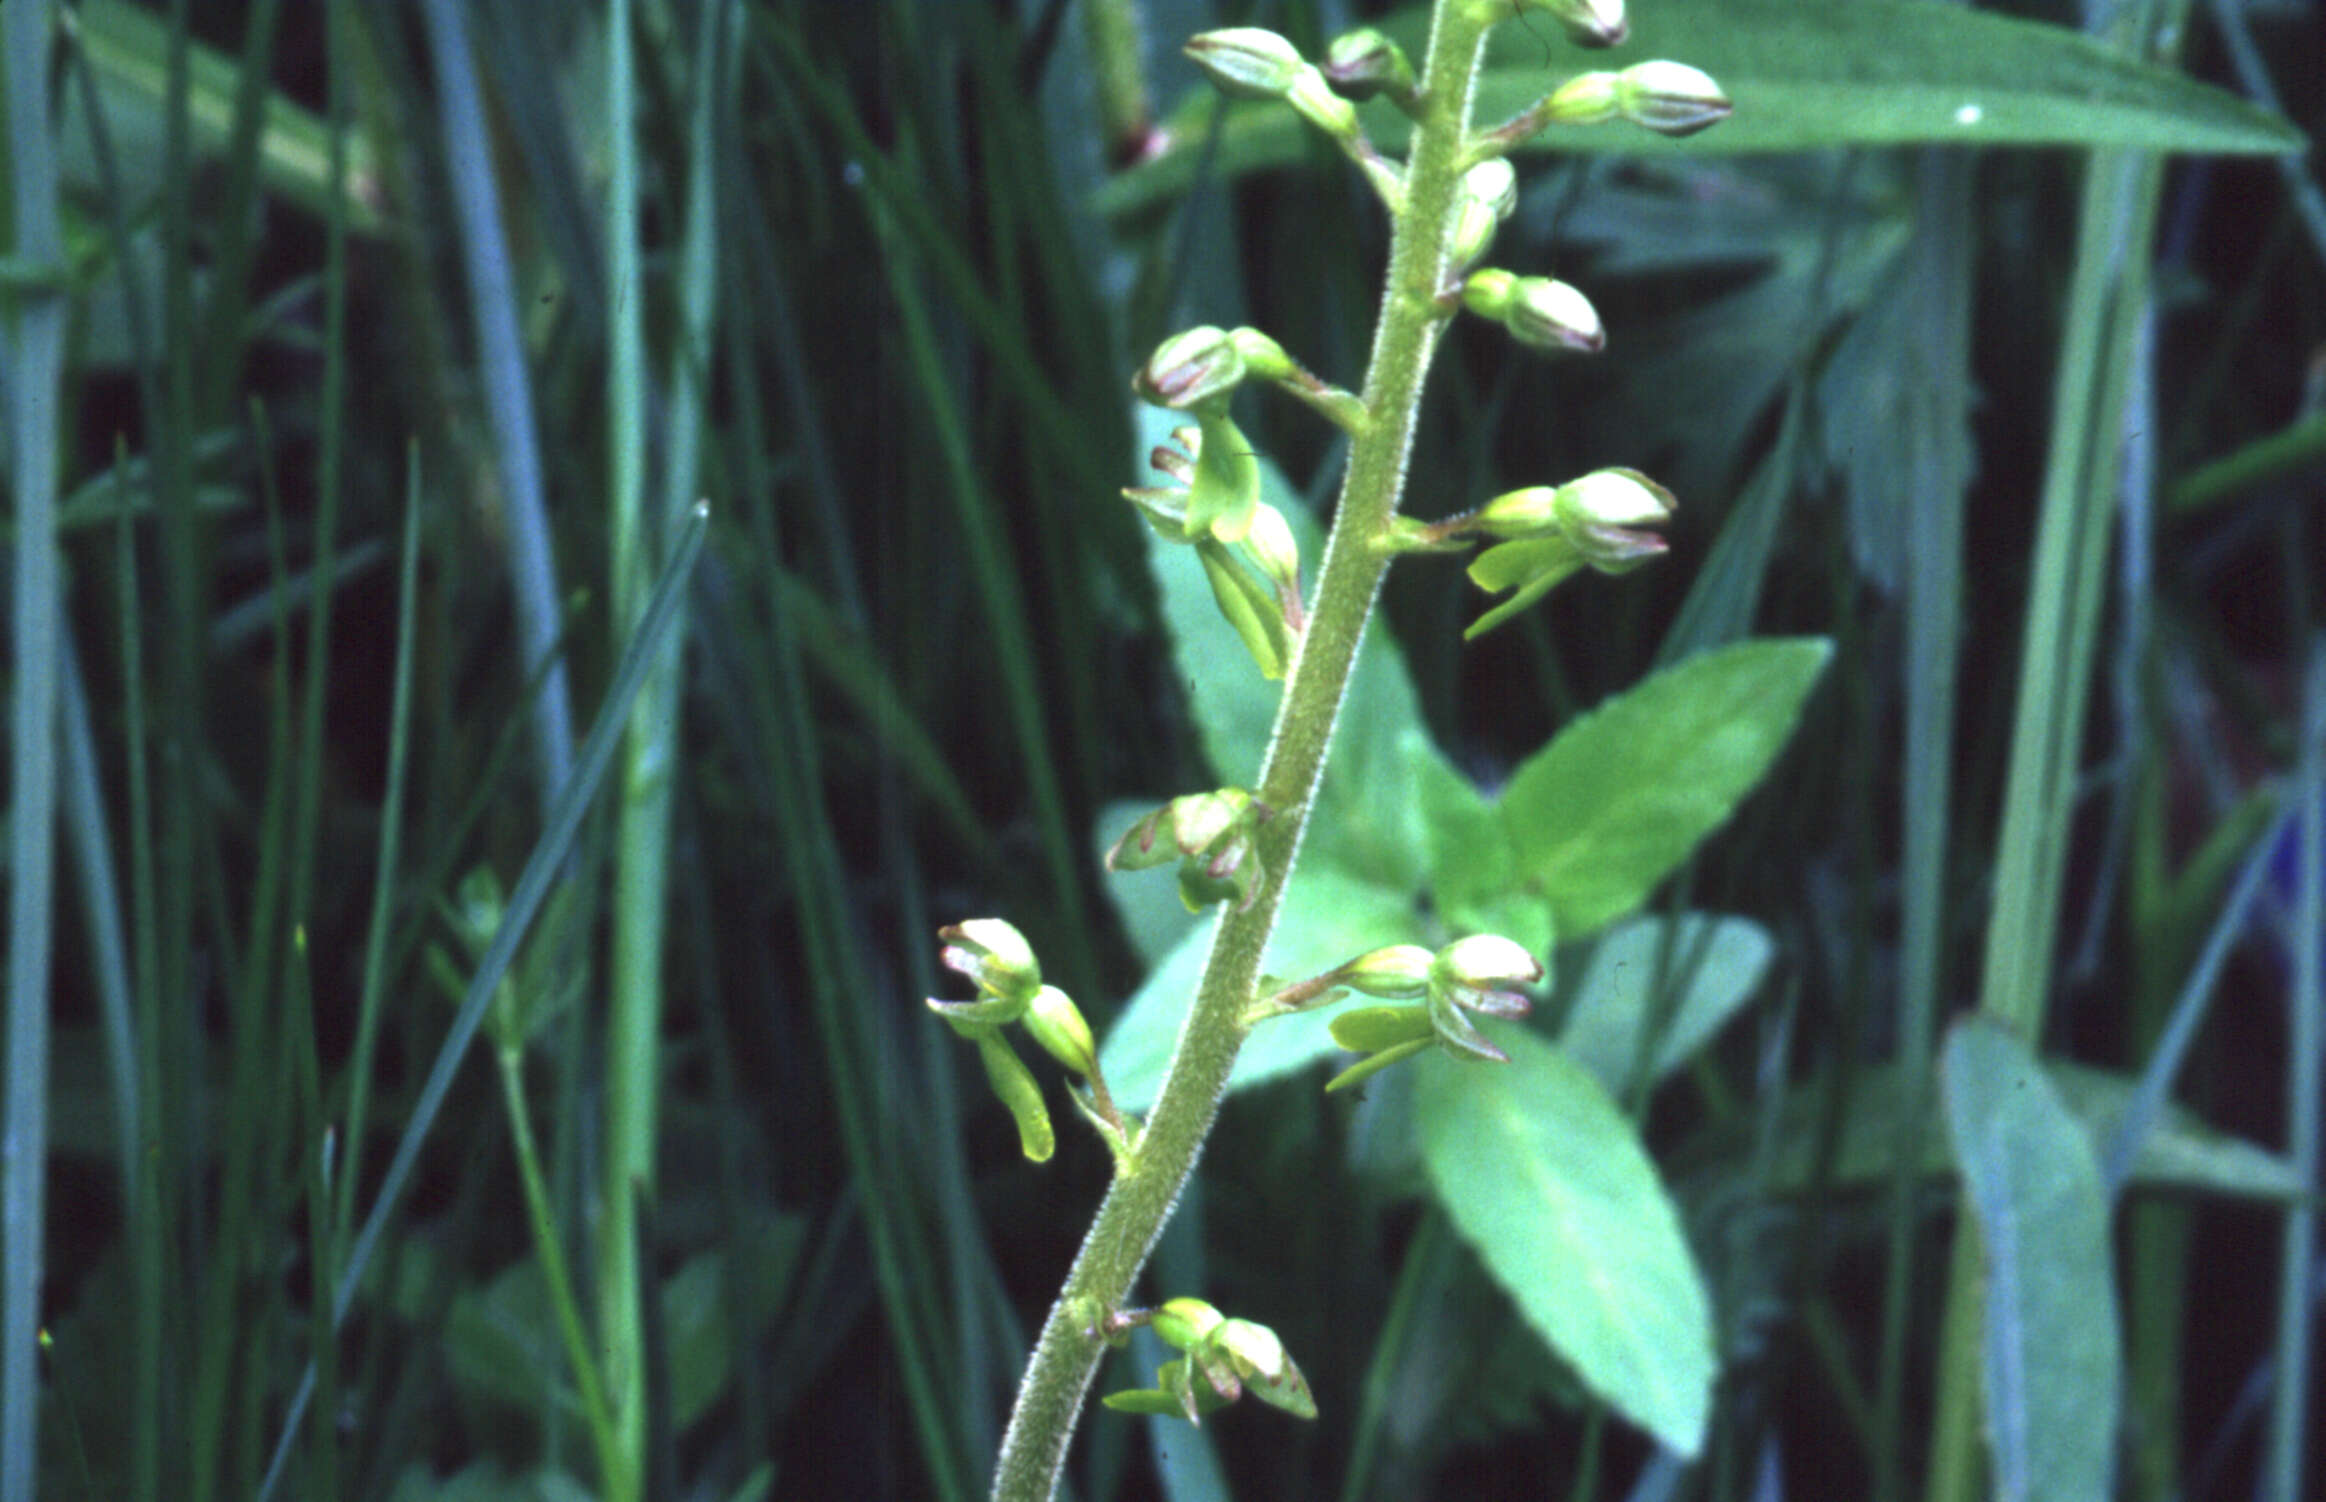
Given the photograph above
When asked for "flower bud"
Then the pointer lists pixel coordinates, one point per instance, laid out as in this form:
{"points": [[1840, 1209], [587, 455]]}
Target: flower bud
{"points": [[1190, 369], [1489, 193], [1273, 549], [1602, 512], [1468, 973], [1488, 290], [1484, 960], [1199, 819], [1247, 62], [1539, 312], [1363, 63], [1395, 973], [1548, 314], [1185, 1322], [1253, 609], [1585, 99], [1258, 1356], [1588, 23], [1531, 512], [1671, 99], [1195, 822], [994, 956], [1055, 1022]]}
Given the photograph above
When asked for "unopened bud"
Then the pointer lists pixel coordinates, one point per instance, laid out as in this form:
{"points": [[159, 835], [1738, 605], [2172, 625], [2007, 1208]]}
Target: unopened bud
{"points": [[1247, 62], [1190, 369], [1671, 99], [1199, 819], [1271, 545], [1539, 311], [1257, 1356], [1602, 512], [1185, 1322], [1489, 193], [1530, 512], [1055, 1022], [1393, 973], [1474, 973], [1548, 314], [1585, 99], [1588, 23], [1363, 63]]}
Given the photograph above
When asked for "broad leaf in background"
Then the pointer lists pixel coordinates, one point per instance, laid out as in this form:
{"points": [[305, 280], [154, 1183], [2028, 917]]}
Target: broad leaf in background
{"points": [[1623, 794], [1803, 74], [2180, 1153], [1621, 1017], [1473, 867], [1548, 1181], [1328, 917], [2053, 1364]]}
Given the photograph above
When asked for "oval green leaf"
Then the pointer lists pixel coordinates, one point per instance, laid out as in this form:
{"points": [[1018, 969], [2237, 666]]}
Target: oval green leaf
{"points": [[1623, 794], [1547, 1180], [2053, 1353]]}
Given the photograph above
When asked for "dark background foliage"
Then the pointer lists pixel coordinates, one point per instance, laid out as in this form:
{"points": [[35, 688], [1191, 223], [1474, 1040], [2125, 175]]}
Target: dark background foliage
{"points": [[922, 658]]}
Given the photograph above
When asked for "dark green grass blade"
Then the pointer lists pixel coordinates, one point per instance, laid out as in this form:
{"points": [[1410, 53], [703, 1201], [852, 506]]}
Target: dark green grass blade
{"points": [[541, 870], [34, 349], [508, 386], [383, 903], [2290, 1428]]}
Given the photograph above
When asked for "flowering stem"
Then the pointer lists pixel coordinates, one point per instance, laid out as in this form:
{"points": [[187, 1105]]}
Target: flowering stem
{"points": [[1067, 1353]]}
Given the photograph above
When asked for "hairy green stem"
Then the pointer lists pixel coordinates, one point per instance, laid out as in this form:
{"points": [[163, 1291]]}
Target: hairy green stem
{"points": [[1067, 1354]]}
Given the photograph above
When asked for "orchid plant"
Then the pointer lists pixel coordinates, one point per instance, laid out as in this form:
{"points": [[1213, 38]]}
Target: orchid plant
{"points": [[1531, 1157]]}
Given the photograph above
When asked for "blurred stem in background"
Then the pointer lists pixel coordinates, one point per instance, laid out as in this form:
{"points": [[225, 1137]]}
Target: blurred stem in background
{"points": [[31, 379], [633, 1058], [2108, 308], [1117, 35], [508, 387]]}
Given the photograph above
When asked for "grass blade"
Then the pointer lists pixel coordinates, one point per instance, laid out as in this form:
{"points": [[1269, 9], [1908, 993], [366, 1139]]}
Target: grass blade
{"points": [[2290, 1401], [508, 388], [34, 351], [542, 868]]}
